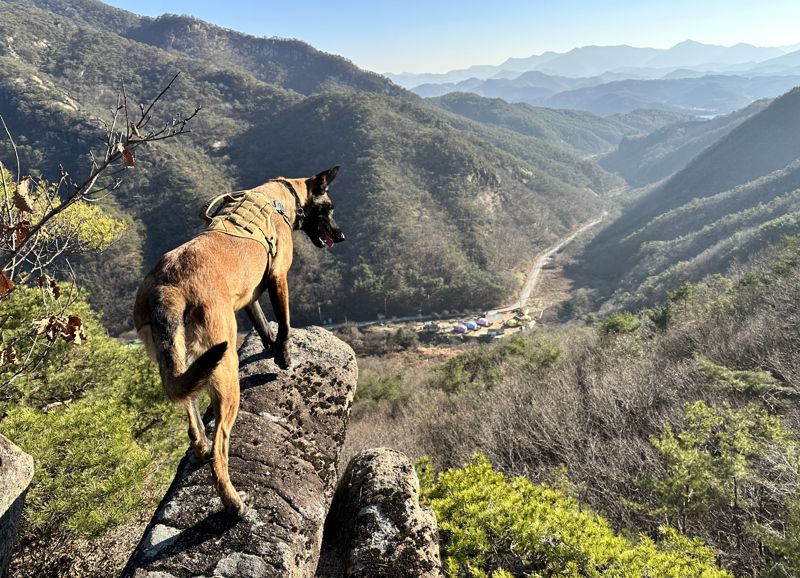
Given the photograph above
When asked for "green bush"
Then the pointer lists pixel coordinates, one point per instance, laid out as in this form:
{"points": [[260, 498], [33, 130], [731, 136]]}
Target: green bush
{"points": [[481, 367], [619, 323], [492, 526], [382, 386], [722, 457], [95, 420]]}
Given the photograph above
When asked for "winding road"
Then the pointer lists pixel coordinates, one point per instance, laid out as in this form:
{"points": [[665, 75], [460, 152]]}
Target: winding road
{"points": [[524, 296], [541, 260]]}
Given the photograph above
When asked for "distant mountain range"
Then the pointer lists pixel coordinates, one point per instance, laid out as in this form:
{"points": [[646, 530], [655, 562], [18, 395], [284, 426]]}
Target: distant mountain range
{"points": [[706, 95], [633, 62], [692, 78]]}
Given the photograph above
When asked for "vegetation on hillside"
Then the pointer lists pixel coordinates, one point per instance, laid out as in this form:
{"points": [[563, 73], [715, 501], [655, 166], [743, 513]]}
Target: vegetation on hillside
{"points": [[739, 195], [681, 415], [645, 159], [580, 131], [492, 526]]}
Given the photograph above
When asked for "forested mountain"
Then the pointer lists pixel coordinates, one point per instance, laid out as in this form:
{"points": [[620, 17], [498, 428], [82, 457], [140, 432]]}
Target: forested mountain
{"points": [[577, 130], [429, 200], [740, 194], [682, 91], [645, 159]]}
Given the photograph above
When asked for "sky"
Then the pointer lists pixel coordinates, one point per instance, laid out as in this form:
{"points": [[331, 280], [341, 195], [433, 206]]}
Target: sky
{"points": [[437, 36]]}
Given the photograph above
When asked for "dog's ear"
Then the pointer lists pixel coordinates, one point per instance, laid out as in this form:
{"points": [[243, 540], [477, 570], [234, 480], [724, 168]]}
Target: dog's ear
{"points": [[323, 179]]}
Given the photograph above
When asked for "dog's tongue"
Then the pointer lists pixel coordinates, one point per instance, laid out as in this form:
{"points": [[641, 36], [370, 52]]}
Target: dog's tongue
{"points": [[326, 238]]}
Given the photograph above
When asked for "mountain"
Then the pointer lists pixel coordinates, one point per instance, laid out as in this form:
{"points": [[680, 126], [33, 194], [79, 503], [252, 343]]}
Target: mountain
{"points": [[704, 96], [684, 91], [786, 64], [630, 61], [645, 159], [738, 195], [430, 201], [580, 131], [595, 60], [290, 64], [691, 53]]}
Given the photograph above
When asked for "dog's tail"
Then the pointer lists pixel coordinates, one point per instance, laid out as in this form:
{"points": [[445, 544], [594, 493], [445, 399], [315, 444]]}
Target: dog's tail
{"points": [[166, 321]]}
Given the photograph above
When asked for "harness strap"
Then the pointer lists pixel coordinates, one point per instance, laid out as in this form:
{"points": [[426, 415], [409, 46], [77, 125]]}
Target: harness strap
{"points": [[300, 214]]}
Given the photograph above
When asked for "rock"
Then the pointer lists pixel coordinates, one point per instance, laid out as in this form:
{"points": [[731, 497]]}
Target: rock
{"points": [[376, 527], [284, 456], [16, 471]]}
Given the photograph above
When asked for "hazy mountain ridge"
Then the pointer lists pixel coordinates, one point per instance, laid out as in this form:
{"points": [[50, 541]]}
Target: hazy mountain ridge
{"points": [[597, 60], [704, 95], [645, 159], [580, 131], [420, 194]]}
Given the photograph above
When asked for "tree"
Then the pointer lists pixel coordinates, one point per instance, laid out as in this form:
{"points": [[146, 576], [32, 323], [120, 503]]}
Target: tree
{"points": [[42, 223]]}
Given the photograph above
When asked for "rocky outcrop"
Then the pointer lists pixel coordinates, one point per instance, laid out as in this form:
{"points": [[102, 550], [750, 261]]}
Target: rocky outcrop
{"points": [[376, 527], [283, 460], [16, 471], [284, 456]]}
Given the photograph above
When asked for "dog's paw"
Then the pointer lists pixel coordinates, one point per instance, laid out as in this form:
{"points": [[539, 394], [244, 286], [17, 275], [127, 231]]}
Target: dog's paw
{"points": [[283, 357], [236, 509]]}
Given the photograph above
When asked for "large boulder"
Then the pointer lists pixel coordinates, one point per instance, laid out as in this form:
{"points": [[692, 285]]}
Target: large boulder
{"points": [[16, 471], [284, 456], [376, 527]]}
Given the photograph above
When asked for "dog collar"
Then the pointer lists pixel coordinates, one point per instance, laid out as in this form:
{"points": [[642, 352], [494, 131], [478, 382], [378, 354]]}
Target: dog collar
{"points": [[299, 212]]}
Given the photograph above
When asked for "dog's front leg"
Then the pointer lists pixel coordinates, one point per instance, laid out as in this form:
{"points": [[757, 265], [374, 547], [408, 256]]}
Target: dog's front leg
{"points": [[256, 316], [279, 295]]}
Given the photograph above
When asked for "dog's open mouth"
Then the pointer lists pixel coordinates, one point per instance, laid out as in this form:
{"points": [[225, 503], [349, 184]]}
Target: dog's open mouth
{"points": [[325, 237]]}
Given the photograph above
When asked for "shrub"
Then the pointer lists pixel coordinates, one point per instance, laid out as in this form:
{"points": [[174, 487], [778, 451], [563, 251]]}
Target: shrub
{"points": [[381, 386], [619, 323], [492, 526], [102, 434], [722, 457], [481, 367]]}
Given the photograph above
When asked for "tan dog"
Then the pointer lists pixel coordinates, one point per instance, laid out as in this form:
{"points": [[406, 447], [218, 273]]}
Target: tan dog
{"points": [[185, 310]]}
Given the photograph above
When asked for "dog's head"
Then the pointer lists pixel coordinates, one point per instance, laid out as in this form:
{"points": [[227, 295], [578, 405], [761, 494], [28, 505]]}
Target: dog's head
{"points": [[318, 223]]}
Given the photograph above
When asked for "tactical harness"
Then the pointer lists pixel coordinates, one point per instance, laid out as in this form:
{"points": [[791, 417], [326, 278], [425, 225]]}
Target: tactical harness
{"points": [[248, 214]]}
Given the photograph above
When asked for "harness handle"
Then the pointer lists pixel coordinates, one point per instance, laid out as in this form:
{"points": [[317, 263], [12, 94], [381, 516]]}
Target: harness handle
{"points": [[212, 207]]}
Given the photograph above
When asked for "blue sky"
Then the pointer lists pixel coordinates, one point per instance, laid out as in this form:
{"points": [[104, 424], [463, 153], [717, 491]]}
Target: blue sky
{"points": [[431, 36]]}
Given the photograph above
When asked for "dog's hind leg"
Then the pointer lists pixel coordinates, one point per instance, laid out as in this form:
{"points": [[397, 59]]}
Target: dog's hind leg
{"points": [[201, 446], [224, 390]]}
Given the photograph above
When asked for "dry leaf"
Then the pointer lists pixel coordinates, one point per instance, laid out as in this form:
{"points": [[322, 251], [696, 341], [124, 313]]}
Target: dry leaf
{"points": [[6, 285], [127, 158], [47, 282], [20, 198], [22, 230], [7, 354]]}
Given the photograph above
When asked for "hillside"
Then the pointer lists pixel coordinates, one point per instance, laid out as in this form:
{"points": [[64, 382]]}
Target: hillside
{"points": [[682, 415], [645, 159], [429, 200], [580, 131], [738, 195]]}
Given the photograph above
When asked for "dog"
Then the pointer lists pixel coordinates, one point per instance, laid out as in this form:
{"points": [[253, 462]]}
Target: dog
{"points": [[185, 309]]}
